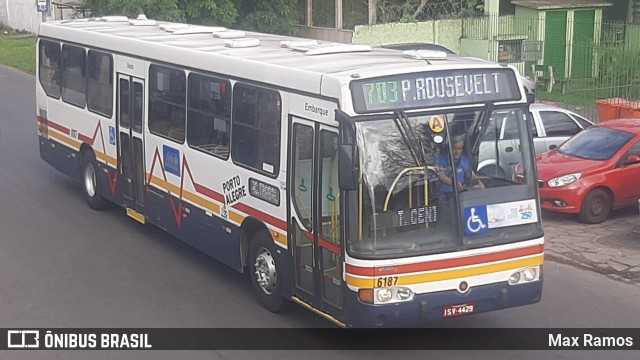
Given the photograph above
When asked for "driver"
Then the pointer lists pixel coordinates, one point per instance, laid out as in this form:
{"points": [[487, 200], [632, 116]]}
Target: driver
{"points": [[464, 174]]}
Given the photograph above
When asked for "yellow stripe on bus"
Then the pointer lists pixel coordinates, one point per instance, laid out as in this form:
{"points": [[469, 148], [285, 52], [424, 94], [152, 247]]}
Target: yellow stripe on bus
{"points": [[76, 145], [106, 158], [449, 275], [208, 205], [64, 139]]}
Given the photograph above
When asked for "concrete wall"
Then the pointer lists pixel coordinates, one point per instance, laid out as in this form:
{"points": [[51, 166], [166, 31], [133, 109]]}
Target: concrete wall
{"points": [[22, 14], [443, 32], [328, 34]]}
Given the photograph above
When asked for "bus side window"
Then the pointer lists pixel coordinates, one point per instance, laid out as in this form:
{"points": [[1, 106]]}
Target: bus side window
{"points": [[256, 128], [74, 81], [208, 115], [167, 99], [49, 70]]}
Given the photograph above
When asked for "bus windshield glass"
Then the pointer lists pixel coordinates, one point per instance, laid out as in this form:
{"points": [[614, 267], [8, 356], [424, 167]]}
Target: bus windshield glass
{"points": [[412, 202]]}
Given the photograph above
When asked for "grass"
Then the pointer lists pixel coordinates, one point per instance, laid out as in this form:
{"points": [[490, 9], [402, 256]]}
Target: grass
{"points": [[18, 52]]}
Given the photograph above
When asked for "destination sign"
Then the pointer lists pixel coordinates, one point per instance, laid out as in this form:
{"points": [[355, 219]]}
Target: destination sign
{"points": [[434, 89]]}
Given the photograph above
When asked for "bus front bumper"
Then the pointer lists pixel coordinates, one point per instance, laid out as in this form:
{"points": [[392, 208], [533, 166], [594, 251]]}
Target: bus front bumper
{"points": [[428, 307]]}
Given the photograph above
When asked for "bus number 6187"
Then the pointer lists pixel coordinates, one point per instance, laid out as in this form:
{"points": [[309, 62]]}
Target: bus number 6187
{"points": [[387, 281]]}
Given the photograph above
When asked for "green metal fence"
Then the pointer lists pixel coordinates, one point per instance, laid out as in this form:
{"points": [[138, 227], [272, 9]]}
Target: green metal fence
{"points": [[577, 60]]}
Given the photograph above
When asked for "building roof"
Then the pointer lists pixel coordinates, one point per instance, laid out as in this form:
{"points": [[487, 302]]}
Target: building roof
{"points": [[561, 4]]}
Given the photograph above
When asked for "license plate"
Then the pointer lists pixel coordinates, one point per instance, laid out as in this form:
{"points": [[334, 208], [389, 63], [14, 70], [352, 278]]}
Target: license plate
{"points": [[458, 310]]}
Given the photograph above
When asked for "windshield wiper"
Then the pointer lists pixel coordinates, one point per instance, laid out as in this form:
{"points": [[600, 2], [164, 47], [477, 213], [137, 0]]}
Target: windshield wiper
{"points": [[410, 138], [481, 124]]}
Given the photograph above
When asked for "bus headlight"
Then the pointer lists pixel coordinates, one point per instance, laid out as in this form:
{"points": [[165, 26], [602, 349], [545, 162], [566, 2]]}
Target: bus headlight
{"points": [[384, 295], [404, 294], [525, 275]]}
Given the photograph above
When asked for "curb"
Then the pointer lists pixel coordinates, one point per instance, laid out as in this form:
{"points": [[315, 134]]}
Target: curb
{"points": [[623, 276]]}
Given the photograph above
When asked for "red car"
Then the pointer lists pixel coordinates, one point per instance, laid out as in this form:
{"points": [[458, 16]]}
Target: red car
{"points": [[593, 172]]}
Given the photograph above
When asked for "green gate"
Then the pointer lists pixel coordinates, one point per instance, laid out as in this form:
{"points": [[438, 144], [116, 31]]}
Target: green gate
{"points": [[555, 42], [583, 40]]}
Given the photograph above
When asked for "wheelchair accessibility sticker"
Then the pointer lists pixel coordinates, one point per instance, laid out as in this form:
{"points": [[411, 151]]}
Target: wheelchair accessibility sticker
{"points": [[479, 219], [475, 220]]}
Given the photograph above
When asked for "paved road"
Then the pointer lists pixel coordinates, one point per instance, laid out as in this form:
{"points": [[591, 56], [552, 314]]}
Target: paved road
{"points": [[611, 248], [63, 265]]}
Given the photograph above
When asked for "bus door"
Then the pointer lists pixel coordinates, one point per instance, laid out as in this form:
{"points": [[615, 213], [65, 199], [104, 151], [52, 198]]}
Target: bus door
{"points": [[314, 222], [131, 143]]}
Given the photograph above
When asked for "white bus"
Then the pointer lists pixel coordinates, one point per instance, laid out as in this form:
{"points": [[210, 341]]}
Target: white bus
{"points": [[322, 169]]}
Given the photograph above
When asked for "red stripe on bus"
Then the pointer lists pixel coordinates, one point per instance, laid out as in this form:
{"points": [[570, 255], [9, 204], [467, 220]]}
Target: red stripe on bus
{"points": [[443, 264], [262, 216], [329, 246], [59, 127], [85, 139], [208, 192], [199, 188]]}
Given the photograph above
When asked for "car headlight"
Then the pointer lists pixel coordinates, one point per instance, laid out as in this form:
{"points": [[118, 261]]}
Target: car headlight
{"points": [[564, 180]]}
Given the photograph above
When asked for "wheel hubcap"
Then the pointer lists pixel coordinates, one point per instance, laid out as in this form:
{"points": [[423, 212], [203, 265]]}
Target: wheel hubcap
{"points": [[597, 206], [90, 180], [265, 272]]}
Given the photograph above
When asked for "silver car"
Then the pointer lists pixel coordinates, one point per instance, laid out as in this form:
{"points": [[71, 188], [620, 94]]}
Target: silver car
{"points": [[550, 127]]}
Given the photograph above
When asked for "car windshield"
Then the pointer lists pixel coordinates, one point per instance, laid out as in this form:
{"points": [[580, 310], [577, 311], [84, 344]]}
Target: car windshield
{"points": [[410, 200], [595, 143]]}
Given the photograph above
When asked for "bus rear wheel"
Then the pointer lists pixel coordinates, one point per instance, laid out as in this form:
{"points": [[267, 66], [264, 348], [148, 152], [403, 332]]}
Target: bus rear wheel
{"points": [[264, 270], [91, 182]]}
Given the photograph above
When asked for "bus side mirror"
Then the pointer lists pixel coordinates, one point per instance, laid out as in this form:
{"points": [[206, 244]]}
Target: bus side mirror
{"points": [[531, 98], [349, 167]]}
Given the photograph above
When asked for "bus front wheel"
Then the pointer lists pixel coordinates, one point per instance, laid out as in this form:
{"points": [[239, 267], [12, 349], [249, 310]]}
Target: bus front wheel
{"points": [[265, 270], [91, 182]]}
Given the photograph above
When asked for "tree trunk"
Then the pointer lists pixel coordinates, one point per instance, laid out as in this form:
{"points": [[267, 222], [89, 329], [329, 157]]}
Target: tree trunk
{"points": [[423, 3]]}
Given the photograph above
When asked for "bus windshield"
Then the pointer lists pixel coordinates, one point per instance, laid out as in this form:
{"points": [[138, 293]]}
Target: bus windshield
{"points": [[411, 201]]}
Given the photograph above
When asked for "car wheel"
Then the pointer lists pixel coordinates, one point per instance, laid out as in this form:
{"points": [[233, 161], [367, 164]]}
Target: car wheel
{"points": [[595, 207], [265, 272]]}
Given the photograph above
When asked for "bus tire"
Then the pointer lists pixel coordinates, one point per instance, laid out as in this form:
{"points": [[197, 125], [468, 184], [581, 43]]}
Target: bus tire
{"points": [[264, 269], [91, 182], [595, 207]]}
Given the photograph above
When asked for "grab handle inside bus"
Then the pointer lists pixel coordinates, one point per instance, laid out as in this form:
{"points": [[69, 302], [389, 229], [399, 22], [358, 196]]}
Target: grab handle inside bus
{"points": [[349, 167]]}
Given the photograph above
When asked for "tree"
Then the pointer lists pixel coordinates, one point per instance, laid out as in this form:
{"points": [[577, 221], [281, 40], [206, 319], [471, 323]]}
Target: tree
{"points": [[157, 9], [218, 12], [270, 16], [422, 10], [209, 12]]}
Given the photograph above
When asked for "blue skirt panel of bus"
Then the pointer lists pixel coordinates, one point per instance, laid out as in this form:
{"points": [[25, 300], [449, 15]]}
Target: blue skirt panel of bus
{"points": [[60, 157], [428, 307], [209, 234]]}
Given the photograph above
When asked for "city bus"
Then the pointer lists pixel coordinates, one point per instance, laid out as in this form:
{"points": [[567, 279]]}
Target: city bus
{"points": [[320, 169]]}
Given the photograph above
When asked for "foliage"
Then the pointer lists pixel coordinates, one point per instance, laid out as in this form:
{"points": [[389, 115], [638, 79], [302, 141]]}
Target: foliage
{"points": [[156, 9], [425, 10], [270, 16], [619, 66], [209, 12]]}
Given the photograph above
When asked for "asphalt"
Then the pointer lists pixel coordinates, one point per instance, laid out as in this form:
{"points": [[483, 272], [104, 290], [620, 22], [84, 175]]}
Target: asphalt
{"points": [[611, 248]]}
